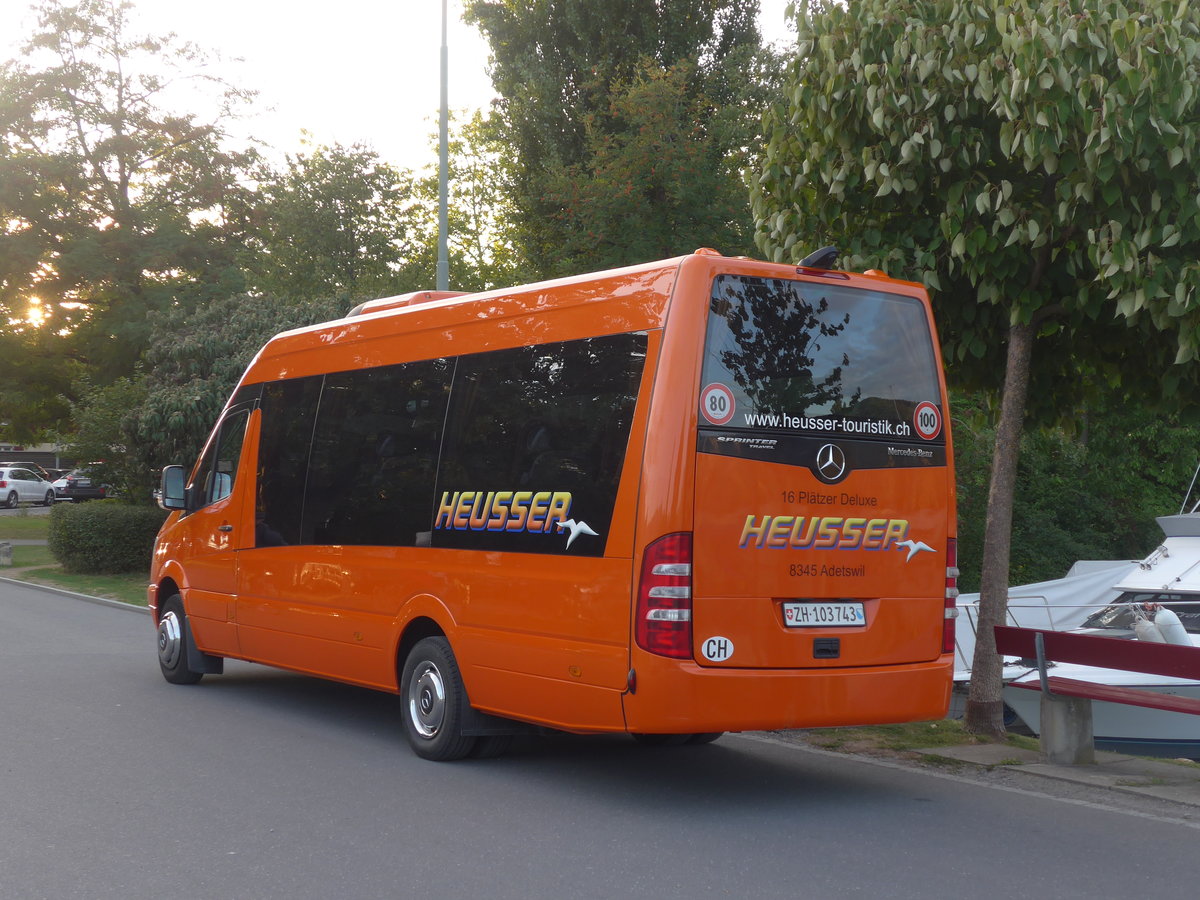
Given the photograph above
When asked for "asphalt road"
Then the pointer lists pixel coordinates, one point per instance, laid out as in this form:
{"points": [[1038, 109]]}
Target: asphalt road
{"points": [[262, 784]]}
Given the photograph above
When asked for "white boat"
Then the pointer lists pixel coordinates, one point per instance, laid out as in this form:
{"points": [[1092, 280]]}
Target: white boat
{"points": [[1060, 605], [1168, 578]]}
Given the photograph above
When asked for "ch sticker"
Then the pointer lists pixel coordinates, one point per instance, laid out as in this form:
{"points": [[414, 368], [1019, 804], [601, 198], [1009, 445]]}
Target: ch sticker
{"points": [[717, 649]]}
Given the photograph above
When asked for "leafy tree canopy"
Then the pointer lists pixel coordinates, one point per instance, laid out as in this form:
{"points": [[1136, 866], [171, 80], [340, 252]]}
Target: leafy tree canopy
{"points": [[1035, 162], [195, 359], [636, 105], [333, 220], [1029, 161], [111, 194]]}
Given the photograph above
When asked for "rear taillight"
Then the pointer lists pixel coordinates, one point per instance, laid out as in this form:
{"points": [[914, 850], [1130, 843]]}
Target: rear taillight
{"points": [[664, 607], [3, 484], [951, 594]]}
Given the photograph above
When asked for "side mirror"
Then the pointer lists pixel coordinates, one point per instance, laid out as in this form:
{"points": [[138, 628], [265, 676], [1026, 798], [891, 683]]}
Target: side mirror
{"points": [[173, 492]]}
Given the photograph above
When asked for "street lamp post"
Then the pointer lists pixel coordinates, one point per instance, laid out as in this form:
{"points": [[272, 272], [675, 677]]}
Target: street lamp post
{"points": [[443, 260]]}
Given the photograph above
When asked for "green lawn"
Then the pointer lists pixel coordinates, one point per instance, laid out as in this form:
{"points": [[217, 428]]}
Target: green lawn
{"points": [[126, 588], [24, 526], [36, 565]]}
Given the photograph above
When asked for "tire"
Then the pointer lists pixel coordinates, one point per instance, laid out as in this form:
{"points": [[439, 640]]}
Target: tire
{"points": [[174, 635], [431, 688], [11, 501], [49, 500], [705, 737], [489, 746], [661, 740]]}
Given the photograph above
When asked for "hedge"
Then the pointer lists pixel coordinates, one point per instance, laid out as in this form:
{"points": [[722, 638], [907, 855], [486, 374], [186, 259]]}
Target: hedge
{"points": [[103, 537]]}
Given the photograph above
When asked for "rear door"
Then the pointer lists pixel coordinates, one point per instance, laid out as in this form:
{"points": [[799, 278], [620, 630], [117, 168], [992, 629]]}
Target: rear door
{"points": [[824, 491], [29, 488]]}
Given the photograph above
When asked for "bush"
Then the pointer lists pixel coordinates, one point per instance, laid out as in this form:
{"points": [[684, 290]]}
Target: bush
{"points": [[103, 537]]}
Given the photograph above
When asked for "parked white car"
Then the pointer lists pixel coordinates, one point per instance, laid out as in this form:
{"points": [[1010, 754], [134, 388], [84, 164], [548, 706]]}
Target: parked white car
{"points": [[21, 485]]}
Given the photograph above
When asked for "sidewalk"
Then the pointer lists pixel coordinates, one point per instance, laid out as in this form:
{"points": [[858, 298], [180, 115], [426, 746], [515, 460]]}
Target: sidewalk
{"points": [[1163, 780]]}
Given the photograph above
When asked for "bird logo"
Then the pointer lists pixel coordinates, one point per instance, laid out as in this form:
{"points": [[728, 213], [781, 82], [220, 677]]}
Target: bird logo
{"points": [[576, 529], [914, 547]]}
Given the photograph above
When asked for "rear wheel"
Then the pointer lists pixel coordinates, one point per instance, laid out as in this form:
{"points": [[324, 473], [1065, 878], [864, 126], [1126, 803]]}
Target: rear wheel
{"points": [[173, 638], [661, 740], [433, 694], [489, 746], [11, 500], [706, 737]]}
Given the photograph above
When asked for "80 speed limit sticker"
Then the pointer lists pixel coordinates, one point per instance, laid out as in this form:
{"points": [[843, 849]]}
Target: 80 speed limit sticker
{"points": [[716, 403], [928, 420]]}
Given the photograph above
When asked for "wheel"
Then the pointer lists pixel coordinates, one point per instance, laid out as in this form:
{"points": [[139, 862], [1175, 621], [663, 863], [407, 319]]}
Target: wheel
{"points": [[11, 501], [661, 740], [173, 638], [49, 501], [433, 694], [489, 746], [705, 737]]}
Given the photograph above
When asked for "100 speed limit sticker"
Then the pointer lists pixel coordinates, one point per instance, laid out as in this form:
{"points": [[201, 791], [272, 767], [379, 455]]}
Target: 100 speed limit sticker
{"points": [[716, 404], [927, 419]]}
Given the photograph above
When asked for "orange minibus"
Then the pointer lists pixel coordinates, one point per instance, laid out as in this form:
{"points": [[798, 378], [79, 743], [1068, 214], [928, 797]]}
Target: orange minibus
{"points": [[678, 499]]}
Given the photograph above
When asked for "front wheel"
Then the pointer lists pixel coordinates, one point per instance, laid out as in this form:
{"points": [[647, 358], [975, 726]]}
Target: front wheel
{"points": [[431, 687], [49, 499], [11, 500], [173, 639]]}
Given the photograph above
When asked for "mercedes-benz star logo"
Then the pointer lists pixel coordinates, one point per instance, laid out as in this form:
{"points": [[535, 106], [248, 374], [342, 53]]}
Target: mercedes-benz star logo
{"points": [[831, 462]]}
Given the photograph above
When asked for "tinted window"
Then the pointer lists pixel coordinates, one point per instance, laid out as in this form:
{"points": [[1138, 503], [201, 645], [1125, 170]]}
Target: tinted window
{"points": [[374, 455], [825, 358], [289, 409], [535, 441]]}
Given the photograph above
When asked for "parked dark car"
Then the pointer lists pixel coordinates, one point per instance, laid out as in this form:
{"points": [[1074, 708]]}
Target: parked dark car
{"points": [[81, 484]]}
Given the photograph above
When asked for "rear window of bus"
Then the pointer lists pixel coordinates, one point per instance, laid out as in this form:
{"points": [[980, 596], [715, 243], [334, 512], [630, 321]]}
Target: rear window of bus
{"points": [[816, 357]]}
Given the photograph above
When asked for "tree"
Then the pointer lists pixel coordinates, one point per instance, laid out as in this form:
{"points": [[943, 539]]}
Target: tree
{"points": [[334, 220], [99, 438], [1035, 163], [571, 75], [195, 358], [37, 381], [111, 201], [659, 177], [480, 240]]}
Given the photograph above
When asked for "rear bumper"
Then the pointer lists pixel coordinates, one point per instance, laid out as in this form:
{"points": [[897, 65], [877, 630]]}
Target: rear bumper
{"points": [[675, 697]]}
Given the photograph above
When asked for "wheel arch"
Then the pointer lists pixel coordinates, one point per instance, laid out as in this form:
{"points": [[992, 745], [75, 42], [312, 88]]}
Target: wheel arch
{"points": [[168, 586], [415, 630]]}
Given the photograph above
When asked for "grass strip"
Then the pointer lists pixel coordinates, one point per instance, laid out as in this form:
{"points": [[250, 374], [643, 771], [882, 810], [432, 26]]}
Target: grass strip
{"points": [[125, 588], [24, 526], [906, 737]]}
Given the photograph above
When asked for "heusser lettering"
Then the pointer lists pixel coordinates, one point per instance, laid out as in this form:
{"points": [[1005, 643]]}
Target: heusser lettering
{"points": [[515, 511], [821, 533]]}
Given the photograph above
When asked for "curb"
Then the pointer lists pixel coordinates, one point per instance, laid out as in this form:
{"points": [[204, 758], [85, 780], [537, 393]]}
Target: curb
{"points": [[62, 592]]}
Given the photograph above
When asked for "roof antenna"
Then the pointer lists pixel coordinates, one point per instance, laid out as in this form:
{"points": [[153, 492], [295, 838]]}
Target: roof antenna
{"points": [[821, 259]]}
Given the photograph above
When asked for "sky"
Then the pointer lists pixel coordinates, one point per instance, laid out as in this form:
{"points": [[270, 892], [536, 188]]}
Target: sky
{"points": [[348, 71]]}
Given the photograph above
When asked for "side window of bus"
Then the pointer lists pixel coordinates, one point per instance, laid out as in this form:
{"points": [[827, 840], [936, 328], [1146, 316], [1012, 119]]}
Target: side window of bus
{"points": [[549, 418], [289, 409], [374, 456], [215, 479]]}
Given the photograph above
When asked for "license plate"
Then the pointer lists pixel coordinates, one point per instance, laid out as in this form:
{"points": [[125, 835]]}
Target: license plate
{"points": [[842, 614]]}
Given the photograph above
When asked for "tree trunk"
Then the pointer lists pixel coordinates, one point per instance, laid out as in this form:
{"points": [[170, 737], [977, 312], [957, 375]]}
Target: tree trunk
{"points": [[985, 708]]}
